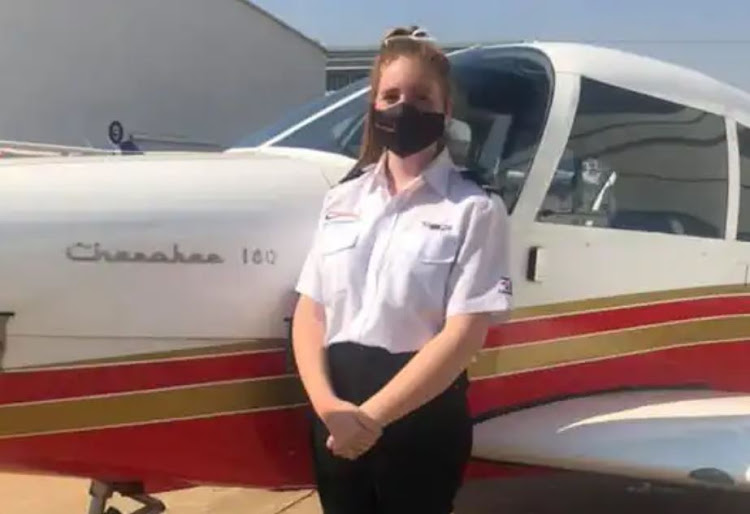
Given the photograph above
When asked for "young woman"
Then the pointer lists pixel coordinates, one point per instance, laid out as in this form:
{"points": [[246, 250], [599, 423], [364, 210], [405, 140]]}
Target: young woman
{"points": [[407, 271]]}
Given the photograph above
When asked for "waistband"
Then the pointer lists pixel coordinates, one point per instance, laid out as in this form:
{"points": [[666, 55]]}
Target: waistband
{"points": [[359, 371]]}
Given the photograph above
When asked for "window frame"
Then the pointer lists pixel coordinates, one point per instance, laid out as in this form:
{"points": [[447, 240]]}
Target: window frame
{"points": [[545, 176], [562, 109], [736, 192]]}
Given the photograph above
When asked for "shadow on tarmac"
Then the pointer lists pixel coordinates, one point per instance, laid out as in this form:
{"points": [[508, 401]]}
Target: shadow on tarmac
{"points": [[583, 493]]}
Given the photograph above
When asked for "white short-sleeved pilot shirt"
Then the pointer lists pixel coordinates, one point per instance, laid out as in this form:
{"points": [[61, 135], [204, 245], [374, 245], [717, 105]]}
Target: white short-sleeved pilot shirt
{"points": [[389, 269]]}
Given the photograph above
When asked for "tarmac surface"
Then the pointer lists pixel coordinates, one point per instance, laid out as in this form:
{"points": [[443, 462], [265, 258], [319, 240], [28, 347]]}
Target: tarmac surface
{"points": [[567, 493]]}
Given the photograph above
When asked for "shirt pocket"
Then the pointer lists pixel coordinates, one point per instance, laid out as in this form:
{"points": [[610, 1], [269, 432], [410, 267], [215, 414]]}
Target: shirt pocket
{"points": [[422, 264], [436, 247], [338, 242]]}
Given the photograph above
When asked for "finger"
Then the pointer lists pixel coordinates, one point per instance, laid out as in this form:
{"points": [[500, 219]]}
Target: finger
{"points": [[339, 448], [360, 451], [350, 448], [336, 447], [345, 453], [337, 443], [356, 448], [359, 437], [361, 446], [366, 445]]}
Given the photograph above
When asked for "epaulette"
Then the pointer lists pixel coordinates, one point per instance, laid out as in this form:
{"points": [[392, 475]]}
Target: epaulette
{"points": [[467, 173], [475, 176]]}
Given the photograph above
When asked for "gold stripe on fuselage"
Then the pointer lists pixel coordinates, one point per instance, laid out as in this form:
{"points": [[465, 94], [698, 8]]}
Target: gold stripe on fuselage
{"points": [[142, 407], [279, 392], [525, 357]]}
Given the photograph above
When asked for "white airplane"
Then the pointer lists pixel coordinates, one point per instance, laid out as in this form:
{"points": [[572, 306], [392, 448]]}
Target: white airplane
{"points": [[146, 299]]}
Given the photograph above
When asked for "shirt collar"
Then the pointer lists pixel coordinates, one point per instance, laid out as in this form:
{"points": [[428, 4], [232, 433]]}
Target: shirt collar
{"points": [[436, 174]]}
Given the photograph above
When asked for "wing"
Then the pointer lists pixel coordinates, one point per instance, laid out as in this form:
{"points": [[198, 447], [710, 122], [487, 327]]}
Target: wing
{"points": [[681, 436]]}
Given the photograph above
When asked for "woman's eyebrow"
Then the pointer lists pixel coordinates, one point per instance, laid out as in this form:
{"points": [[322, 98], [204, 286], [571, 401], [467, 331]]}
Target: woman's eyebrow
{"points": [[388, 90]]}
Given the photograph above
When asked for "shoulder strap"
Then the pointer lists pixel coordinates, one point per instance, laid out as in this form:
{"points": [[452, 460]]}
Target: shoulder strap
{"points": [[475, 176], [471, 174]]}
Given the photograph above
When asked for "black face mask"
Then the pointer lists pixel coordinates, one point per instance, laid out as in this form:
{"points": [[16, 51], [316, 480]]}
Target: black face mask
{"points": [[405, 130]]}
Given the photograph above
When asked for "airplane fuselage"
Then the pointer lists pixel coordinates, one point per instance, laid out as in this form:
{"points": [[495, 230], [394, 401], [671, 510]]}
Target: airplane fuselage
{"points": [[146, 299]]}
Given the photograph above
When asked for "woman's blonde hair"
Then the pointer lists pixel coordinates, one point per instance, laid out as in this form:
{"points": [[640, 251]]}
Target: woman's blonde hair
{"points": [[412, 42]]}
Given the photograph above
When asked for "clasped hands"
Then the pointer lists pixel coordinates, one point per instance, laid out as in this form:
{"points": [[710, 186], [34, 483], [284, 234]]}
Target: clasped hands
{"points": [[352, 431]]}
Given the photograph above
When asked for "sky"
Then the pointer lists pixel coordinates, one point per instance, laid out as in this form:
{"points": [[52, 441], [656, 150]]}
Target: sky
{"points": [[712, 36]]}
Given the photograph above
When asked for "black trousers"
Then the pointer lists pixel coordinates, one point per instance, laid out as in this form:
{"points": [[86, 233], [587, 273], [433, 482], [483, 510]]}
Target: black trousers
{"points": [[417, 465]]}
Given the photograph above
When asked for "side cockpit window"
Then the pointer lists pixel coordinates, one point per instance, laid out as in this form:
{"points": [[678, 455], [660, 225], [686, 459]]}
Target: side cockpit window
{"points": [[634, 162]]}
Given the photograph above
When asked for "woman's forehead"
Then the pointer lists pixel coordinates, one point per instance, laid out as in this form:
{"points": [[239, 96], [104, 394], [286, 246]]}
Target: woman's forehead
{"points": [[406, 72]]}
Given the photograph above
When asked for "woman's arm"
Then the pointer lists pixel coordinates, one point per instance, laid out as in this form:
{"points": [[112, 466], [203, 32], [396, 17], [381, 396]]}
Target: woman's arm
{"points": [[308, 331], [431, 370], [352, 431]]}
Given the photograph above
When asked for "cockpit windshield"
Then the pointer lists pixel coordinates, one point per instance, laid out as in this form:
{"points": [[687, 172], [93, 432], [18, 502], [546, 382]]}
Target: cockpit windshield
{"points": [[501, 99], [312, 125]]}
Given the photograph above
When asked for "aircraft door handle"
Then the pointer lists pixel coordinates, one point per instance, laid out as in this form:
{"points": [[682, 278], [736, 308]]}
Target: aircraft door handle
{"points": [[4, 318], [536, 269]]}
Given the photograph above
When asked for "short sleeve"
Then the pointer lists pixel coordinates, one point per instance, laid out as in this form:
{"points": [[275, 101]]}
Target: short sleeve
{"points": [[480, 280], [309, 282]]}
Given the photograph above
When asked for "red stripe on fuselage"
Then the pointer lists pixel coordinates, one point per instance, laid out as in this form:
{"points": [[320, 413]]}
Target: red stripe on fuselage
{"points": [[270, 449], [719, 366], [52, 384], [55, 384], [570, 325], [264, 449]]}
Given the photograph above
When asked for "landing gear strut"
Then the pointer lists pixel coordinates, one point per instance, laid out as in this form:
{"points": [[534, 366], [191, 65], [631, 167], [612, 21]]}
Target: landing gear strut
{"points": [[101, 492]]}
